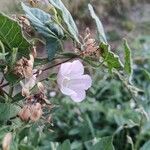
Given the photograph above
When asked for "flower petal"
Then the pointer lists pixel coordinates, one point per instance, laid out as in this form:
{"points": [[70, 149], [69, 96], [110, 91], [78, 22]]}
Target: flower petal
{"points": [[77, 68], [67, 91], [80, 82], [78, 96], [65, 68]]}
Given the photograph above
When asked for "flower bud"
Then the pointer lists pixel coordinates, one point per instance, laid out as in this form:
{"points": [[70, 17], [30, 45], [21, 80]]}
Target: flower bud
{"points": [[36, 112], [25, 113], [90, 41], [7, 141], [25, 92]]}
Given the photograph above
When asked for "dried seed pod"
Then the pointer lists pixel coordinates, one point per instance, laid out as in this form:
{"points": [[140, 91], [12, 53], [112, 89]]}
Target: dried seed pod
{"points": [[25, 113], [7, 141], [24, 67], [36, 112]]}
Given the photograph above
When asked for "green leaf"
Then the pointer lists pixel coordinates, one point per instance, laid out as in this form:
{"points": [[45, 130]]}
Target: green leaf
{"points": [[23, 133], [11, 77], [44, 24], [104, 143], [53, 76], [18, 97], [66, 16], [146, 146], [100, 29], [3, 54], [147, 73], [11, 35], [26, 147], [36, 138], [128, 62], [8, 111], [110, 58], [65, 145], [52, 45], [3, 131]]}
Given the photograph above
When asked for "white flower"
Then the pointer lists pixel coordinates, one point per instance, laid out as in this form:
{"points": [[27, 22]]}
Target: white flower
{"points": [[72, 81]]}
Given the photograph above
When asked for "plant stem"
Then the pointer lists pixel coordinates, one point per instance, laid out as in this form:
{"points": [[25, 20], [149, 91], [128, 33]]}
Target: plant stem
{"points": [[57, 64], [11, 89]]}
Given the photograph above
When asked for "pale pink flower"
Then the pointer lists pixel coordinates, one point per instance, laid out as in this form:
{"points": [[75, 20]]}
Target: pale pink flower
{"points": [[72, 81]]}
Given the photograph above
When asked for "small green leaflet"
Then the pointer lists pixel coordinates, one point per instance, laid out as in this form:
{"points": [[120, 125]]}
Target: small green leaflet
{"points": [[110, 58], [8, 111], [104, 143], [67, 18], [100, 29], [65, 145], [128, 62]]}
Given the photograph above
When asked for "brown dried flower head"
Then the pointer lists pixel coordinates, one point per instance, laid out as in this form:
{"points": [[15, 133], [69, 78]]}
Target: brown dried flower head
{"points": [[31, 112], [7, 141], [25, 113], [36, 112], [24, 67], [90, 48]]}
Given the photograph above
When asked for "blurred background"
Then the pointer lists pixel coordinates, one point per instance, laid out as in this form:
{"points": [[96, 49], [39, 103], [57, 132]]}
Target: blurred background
{"points": [[108, 108]]}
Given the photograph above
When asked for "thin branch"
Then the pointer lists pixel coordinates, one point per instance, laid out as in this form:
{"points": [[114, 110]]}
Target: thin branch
{"points": [[45, 69]]}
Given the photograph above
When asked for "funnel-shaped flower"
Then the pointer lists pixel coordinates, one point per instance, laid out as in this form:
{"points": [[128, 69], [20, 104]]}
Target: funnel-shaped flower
{"points": [[72, 81]]}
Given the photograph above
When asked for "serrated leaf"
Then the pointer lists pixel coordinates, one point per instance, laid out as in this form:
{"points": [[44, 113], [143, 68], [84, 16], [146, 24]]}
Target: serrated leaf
{"points": [[11, 35], [66, 16], [110, 58], [8, 111], [100, 29], [104, 143], [128, 61]]}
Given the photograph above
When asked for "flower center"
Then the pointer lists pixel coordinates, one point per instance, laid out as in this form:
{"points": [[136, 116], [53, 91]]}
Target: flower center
{"points": [[66, 81]]}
